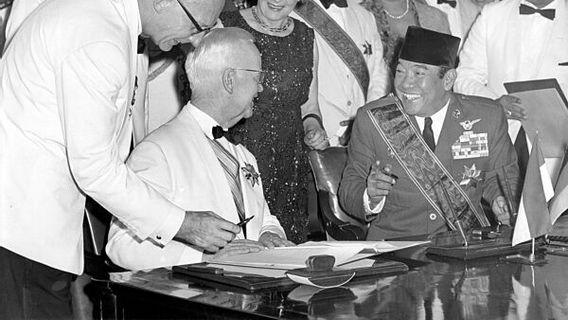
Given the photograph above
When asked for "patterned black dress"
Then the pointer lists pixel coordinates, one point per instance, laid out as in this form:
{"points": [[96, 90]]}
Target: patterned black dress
{"points": [[275, 133]]}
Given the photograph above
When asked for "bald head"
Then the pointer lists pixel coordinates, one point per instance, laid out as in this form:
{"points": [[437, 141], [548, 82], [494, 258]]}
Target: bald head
{"points": [[205, 12], [225, 75], [167, 22], [219, 49]]}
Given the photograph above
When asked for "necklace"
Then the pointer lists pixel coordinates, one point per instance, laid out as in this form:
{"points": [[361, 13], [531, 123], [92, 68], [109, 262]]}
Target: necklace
{"points": [[282, 28], [400, 16]]}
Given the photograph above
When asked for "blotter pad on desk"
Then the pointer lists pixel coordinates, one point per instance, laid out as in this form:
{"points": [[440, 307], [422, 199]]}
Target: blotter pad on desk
{"points": [[252, 282]]}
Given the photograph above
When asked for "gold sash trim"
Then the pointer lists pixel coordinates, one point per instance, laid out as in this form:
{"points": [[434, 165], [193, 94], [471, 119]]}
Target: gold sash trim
{"points": [[422, 166]]}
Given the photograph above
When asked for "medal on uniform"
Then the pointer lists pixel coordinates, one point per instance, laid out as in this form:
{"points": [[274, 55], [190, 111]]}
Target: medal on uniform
{"points": [[250, 174], [468, 124], [471, 145]]}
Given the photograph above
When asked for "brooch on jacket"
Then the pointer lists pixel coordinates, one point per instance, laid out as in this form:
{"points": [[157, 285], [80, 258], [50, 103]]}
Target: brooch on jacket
{"points": [[250, 174], [471, 176]]}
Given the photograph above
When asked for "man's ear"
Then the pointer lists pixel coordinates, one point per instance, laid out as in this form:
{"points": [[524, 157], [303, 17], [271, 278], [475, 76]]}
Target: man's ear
{"points": [[160, 5], [229, 80], [449, 79]]}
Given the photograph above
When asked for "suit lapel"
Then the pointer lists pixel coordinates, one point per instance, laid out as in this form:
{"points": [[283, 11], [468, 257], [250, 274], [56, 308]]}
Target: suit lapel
{"points": [[556, 49], [132, 18], [216, 174], [551, 42]]}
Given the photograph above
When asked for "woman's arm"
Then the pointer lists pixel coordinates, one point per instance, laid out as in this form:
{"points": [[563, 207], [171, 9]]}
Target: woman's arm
{"points": [[315, 136]]}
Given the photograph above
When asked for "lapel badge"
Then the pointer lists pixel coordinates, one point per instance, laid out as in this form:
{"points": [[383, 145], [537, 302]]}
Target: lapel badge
{"points": [[468, 124], [250, 174], [456, 114]]}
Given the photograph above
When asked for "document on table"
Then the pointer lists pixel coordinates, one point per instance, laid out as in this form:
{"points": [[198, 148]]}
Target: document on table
{"points": [[546, 108], [287, 258], [232, 270], [377, 246]]}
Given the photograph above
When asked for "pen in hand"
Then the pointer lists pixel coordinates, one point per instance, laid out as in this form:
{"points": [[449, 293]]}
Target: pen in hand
{"points": [[245, 221]]}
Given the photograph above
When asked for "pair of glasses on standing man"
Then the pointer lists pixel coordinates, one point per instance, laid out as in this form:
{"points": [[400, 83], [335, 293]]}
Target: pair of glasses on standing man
{"points": [[200, 29]]}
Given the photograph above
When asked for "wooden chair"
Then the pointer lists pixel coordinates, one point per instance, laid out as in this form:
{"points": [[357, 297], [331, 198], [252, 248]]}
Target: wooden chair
{"points": [[327, 166]]}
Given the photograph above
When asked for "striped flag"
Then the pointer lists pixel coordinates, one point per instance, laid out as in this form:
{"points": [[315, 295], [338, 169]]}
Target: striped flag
{"points": [[533, 219], [559, 202]]}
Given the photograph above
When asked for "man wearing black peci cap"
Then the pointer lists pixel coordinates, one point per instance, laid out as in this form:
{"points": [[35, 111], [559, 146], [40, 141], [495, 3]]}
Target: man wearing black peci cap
{"points": [[421, 161]]}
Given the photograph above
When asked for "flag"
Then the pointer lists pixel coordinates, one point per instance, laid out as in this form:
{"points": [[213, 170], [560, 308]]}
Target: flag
{"points": [[533, 219], [559, 202]]}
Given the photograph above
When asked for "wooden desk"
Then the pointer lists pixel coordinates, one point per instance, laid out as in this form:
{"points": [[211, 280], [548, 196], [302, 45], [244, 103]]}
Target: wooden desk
{"points": [[440, 289]]}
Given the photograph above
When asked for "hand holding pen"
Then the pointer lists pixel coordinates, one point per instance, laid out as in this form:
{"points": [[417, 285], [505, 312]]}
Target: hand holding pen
{"points": [[245, 221]]}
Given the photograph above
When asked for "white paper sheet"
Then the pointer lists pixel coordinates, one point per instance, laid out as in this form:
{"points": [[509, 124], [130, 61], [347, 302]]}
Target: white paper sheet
{"points": [[377, 246], [288, 258]]}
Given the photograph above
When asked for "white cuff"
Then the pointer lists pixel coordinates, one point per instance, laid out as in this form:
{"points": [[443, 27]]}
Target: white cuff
{"points": [[366, 203], [169, 228]]}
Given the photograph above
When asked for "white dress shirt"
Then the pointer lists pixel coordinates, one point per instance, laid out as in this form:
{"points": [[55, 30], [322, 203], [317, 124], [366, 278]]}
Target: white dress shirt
{"points": [[461, 17], [505, 46]]}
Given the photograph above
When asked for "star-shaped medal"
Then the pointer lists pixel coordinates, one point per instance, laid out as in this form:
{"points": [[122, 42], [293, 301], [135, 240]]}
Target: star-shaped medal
{"points": [[250, 174]]}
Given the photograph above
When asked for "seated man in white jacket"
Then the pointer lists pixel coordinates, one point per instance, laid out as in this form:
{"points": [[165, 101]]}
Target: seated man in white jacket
{"points": [[191, 165]]}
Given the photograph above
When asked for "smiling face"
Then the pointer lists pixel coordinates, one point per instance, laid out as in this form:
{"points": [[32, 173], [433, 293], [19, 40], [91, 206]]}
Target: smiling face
{"points": [[275, 12], [166, 23], [420, 88]]}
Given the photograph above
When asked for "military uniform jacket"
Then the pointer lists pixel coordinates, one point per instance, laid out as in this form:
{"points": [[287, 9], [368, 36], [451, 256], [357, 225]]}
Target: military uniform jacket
{"points": [[406, 212]]}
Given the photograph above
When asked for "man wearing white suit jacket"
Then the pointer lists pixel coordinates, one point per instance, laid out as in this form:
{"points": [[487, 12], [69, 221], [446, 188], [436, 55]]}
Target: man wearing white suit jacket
{"points": [[514, 40], [181, 159], [67, 78]]}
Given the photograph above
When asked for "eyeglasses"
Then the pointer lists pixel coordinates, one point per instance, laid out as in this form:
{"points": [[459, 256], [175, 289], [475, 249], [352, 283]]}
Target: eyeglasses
{"points": [[195, 23], [261, 73]]}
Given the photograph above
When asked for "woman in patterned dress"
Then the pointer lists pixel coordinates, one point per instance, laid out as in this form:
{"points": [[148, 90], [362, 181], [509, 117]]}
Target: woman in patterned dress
{"points": [[286, 120]]}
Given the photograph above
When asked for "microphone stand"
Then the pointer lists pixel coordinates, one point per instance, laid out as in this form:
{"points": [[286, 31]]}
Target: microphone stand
{"points": [[456, 218], [447, 198], [491, 247]]}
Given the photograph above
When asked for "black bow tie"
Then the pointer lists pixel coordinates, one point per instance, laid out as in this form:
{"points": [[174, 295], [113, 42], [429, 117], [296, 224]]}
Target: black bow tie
{"points": [[547, 13], [218, 132], [339, 3], [452, 3]]}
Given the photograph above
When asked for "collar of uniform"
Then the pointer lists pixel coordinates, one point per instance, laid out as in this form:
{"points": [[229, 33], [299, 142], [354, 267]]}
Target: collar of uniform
{"points": [[203, 119], [437, 118]]}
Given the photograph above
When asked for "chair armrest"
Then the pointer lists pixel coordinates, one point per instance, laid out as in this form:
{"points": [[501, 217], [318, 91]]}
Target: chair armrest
{"points": [[335, 227]]}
